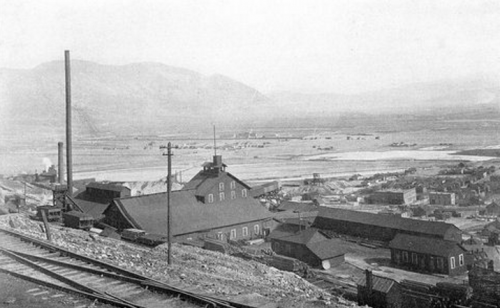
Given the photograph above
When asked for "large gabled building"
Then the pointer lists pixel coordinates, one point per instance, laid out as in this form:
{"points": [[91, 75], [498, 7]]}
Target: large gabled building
{"points": [[213, 204]]}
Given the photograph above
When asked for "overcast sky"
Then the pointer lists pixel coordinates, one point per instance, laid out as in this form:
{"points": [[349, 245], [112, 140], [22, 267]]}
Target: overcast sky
{"points": [[333, 45]]}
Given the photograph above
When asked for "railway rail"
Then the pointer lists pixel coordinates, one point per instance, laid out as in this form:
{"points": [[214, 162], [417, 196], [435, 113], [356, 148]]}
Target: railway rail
{"points": [[41, 262], [346, 289]]}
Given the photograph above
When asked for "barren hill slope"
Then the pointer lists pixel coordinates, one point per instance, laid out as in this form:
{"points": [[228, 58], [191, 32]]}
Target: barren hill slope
{"points": [[128, 97]]}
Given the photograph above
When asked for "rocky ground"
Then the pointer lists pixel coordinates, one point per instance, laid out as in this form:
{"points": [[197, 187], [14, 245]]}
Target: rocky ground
{"points": [[209, 272]]}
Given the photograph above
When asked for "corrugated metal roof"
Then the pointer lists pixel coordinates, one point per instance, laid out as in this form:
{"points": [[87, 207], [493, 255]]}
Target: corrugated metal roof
{"points": [[425, 245], [149, 212], [393, 222], [380, 284]]}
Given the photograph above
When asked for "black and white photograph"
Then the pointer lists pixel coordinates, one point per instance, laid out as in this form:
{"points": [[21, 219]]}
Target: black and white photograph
{"points": [[249, 153]]}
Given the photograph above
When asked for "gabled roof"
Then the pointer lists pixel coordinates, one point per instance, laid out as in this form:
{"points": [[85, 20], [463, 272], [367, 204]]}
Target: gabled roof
{"points": [[204, 181], [108, 186], [432, 246], [380, 284], [317, 243], [493, 205], [94, 209], [393, 222], [297, 206], [149, 212], [310, 235]]}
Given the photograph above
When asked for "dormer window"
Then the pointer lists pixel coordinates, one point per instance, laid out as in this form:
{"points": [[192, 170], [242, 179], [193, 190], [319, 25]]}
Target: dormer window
{"points": [[210, 198], [221, 186], [222, 196], [233, 184], [244, 193]]}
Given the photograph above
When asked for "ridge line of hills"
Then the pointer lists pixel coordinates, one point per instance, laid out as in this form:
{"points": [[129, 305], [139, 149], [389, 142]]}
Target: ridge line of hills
{"points": [[148, 96]]}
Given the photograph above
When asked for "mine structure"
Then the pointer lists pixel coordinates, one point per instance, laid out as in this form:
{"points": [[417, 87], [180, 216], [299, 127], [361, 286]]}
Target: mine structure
{"points": [[213, 204]]}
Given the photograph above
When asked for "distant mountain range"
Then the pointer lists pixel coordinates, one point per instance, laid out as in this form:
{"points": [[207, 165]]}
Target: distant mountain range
{"points": [[152, 97], [447, 96], [130, 98]]}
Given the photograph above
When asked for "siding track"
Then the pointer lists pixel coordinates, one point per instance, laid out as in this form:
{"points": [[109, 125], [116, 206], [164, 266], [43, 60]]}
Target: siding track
{"points": [[43, 263]]}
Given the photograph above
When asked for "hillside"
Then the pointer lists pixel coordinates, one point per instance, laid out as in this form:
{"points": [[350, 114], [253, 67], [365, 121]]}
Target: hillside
{"points": [[153, 99], [124, 98], [196, 269], [445, 96]]}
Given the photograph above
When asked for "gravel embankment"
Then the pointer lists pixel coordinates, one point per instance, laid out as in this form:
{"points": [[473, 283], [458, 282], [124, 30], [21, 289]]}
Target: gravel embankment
{"points": [[209, 272]]}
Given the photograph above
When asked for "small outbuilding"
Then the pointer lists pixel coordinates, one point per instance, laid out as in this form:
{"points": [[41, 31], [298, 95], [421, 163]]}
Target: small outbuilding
{"points": [[492, 209], [309, 246], [379, 292]]}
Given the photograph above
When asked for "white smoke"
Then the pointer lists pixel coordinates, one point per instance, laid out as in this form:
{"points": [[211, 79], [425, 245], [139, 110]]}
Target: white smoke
{"points": [[47, 162]]}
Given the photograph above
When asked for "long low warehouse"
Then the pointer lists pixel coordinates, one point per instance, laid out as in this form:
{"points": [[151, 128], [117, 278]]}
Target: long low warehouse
{"points": [[381, 227]]}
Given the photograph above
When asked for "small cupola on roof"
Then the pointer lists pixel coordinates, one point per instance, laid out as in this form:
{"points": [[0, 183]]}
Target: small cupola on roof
{"points": [[216, 166]]}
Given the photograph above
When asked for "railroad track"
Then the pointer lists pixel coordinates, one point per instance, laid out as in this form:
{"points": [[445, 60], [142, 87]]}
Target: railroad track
{"points": [[334, 286], [41, 262]]}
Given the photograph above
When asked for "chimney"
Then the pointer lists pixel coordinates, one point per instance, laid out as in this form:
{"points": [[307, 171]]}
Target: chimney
{"points": [[69, 162], [60, 164], [369, 281]]}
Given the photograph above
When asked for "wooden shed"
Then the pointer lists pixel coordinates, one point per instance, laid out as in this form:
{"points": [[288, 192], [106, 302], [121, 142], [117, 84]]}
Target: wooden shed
{"points": [[309, 246], [379, 292]]}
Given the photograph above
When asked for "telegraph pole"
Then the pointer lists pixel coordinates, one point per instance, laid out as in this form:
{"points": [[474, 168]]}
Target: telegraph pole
{"points": [[169, 188]]}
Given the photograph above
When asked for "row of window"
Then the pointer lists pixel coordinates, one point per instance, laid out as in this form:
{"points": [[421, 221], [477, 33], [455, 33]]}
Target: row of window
{"points": [[222, 195], [244, 233], [232, 185], [439, 260]]}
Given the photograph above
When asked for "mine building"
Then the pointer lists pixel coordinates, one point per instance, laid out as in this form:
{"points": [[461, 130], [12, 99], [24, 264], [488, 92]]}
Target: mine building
{"points": [[394, 196], [421, 211], [309, 246], [442, 198], [266, 188], [379, 292], [425, 254], [492, 209], [297, 206], [213, 204], [97, 197], [382, 227]]}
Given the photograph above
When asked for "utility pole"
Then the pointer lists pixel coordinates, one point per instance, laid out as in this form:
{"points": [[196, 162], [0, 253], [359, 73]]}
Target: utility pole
{"points": [[169, 188]]}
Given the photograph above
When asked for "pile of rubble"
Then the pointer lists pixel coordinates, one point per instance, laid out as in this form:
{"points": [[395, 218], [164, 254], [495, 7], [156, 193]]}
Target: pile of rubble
{"points": [[201, 270]]}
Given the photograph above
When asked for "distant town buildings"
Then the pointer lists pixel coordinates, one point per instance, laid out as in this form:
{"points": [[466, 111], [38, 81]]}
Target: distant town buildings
{"points": [[394, 196], [442, 198]]}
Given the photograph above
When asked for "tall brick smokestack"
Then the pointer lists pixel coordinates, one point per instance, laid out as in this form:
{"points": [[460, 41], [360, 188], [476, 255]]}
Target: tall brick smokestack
{"points": [[69, 161], [60, 163]]}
